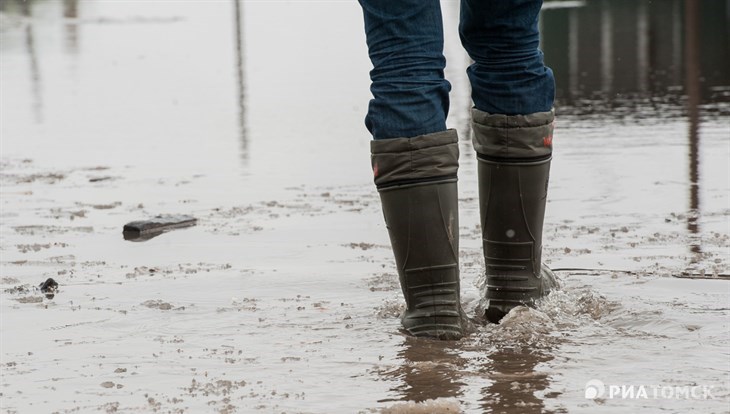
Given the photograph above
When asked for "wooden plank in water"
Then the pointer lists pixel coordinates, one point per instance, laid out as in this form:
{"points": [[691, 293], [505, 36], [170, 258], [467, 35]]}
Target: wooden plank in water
{"points": [[147, 229], [703, 275]]}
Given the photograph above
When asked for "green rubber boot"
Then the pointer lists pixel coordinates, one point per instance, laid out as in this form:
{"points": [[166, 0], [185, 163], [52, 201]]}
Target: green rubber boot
{"points": [[514, 154], [416, 179]]}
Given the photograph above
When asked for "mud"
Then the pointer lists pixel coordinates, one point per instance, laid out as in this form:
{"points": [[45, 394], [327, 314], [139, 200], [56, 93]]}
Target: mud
{"points": [[283, 297]]}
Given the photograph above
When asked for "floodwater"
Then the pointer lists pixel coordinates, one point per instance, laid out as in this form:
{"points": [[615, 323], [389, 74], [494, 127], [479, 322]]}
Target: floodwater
{"points": [[249, 116]]}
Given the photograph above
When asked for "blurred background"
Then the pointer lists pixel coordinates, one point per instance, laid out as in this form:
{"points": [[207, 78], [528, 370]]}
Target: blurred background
{"points": [[113, 76], [252, 97]]}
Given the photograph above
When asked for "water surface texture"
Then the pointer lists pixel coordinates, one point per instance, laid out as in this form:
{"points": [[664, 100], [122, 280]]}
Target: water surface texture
{"points": [[248, 116]]}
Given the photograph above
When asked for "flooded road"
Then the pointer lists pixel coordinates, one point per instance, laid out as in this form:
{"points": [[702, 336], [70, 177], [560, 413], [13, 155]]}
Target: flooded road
{"points": [[249, 117]]}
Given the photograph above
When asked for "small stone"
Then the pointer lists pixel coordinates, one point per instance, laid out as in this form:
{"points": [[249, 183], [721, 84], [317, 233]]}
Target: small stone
{"points": [[49, 286]]}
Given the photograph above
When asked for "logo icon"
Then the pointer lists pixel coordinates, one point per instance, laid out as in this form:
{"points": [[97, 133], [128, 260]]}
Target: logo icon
{"points": [[595, 389], [547, 141]]}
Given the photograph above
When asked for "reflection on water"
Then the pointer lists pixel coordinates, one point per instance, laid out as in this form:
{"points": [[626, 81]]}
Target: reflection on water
{"points": [[71, 11], [432, 370], [35, 74], [516, 385], [692, 86], [429, 370], [241, 84], [606, 53], [34, 18], [643, 59], [502, 368]]}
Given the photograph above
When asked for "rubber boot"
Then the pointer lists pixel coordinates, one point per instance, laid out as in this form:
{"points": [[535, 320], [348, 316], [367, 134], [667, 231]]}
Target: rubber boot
{"points": [[514, 154], [416, 179]]}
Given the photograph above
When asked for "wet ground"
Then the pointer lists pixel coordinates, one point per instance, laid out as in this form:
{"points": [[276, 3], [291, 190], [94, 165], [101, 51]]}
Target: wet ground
{"points": [[248, 116]]}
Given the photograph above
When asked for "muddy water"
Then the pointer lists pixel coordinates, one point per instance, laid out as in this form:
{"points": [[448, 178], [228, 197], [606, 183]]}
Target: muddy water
{"points": [[283, 298]]}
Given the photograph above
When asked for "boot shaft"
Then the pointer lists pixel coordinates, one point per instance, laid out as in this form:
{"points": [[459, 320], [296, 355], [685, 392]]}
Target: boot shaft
{"points": [[423, 226], [416, 179], [514, 155], [512, 198]]}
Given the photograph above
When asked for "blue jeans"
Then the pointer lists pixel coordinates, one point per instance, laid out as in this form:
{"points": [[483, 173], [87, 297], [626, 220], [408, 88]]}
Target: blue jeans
{"points": [[405, 44]]}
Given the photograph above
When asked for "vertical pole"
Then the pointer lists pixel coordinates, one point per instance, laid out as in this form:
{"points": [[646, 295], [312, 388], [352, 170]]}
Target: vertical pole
{"points": [[240, 79], [606, 49], [642, 47], [692, 88]]}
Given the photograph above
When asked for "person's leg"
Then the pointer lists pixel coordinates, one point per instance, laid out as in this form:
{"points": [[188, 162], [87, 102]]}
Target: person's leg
{"points": [[508, 75], [512, 123], [415, 160], [405, 45]]}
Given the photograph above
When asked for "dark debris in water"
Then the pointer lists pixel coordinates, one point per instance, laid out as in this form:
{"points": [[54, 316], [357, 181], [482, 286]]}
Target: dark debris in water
{"points": [[17, 290], [703, 275], [146, 229], [98, 179], [49, 288]]}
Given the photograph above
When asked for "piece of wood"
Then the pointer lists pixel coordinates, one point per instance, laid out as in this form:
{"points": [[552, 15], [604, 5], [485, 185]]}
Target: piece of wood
{"points": [[147, 229], [702, 275]]}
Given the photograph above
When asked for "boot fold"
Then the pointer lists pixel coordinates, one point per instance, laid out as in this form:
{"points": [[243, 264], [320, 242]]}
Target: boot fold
{"points": [[513, 136], [425, 157]]}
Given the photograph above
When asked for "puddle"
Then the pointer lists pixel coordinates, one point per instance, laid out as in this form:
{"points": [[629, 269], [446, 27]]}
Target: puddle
{"points": [[282, 297]]}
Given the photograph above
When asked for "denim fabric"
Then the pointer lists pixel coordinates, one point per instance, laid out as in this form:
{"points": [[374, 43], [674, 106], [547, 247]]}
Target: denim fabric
{"points": [[405, 44]]}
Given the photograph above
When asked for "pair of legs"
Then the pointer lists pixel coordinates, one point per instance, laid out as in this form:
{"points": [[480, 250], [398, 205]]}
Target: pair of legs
{"points": [[405, 44], [415, 157]]}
